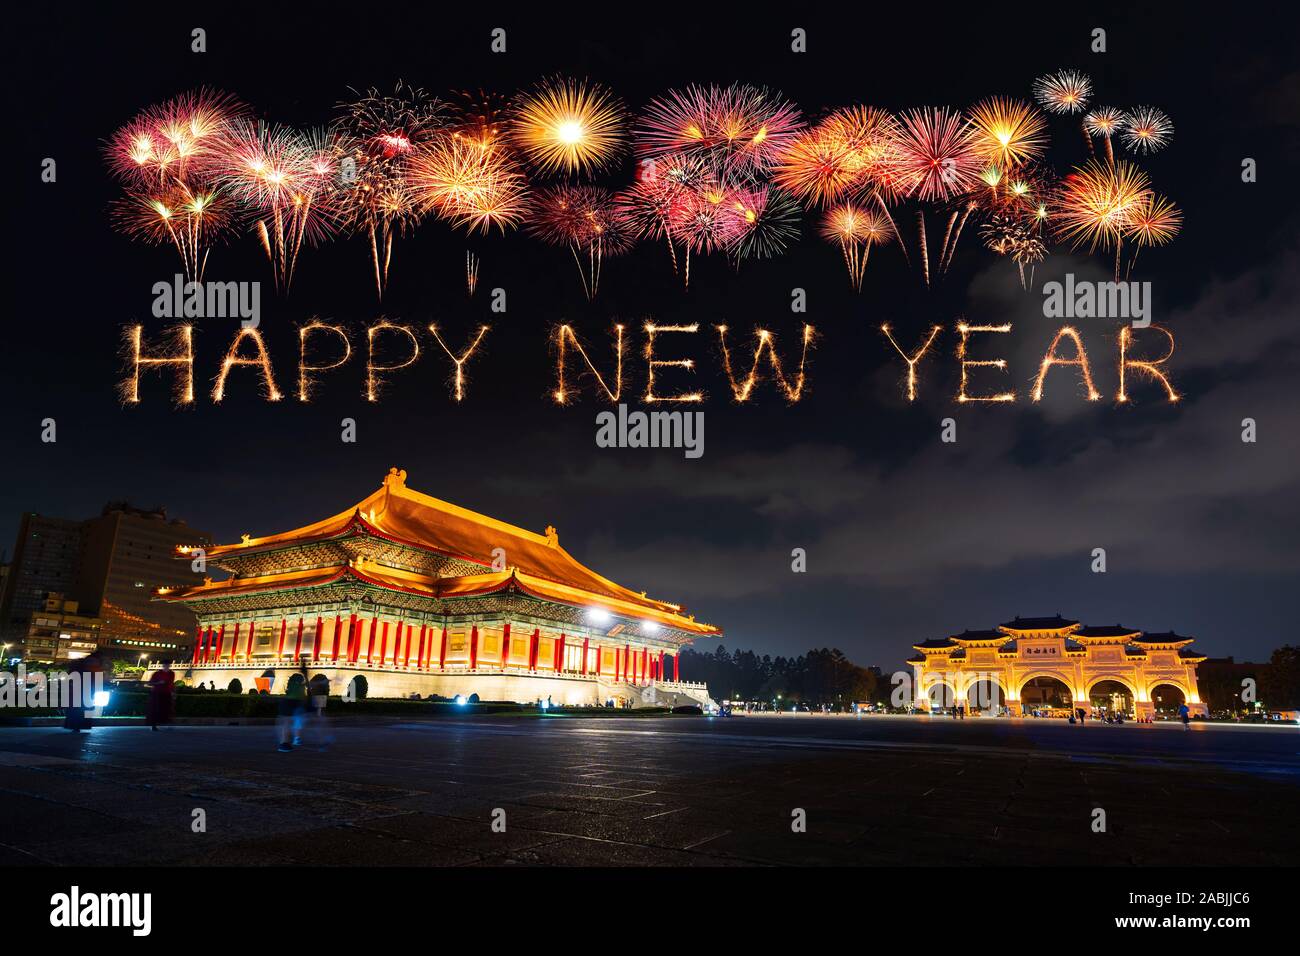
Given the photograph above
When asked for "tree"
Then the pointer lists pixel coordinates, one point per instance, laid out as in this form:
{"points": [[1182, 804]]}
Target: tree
{"points": [[1279, 684], [822, 676]]}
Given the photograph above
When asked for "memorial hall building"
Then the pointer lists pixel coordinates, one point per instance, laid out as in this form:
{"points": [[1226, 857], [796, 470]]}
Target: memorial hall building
{"points": [[402, 594]]}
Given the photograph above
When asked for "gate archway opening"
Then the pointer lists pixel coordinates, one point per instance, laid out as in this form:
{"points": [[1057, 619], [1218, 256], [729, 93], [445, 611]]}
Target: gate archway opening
{"points": [[1166, 699], [985, 697], [1046, 697], [942, 697], [1109, 698]]}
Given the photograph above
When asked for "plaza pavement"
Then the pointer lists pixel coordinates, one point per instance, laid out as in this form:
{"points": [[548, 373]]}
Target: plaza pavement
{"points": [[682, 791]]}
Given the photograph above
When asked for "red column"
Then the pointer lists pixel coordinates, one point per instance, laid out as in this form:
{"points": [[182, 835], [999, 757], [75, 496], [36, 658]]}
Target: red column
{"points": [[597, 660], [198, 639], [442, 655], [676, 672], [252, 633], [370, 645], [660, 669], [419, 657], [584, 657], [406, 659], [645, 665], [338, 633], [297, 641], [627, 663], [279, 650], [505, 645], [533, 643], [320, 635], [383, 644], [235, 643], [559, 654], [473, 647], [221, 639], [354, 640]]}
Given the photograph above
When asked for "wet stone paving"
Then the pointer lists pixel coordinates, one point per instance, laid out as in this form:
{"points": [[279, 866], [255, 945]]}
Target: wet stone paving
{"points": [[678, 791]]}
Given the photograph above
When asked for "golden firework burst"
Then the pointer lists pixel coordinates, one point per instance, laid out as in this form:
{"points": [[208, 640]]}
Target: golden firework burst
{"points": [[569, 126]]}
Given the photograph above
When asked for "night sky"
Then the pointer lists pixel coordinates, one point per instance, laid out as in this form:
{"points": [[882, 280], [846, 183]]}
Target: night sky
{"points": [[907, 538]]}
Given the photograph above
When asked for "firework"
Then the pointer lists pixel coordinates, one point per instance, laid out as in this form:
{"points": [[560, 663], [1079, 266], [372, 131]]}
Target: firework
{"points": [[850, 152], [856, 229], [1065, 91], [480, 116], [291, 183], [1146, 130], [164, 158], [569, 126], [685, 201], [471, 272], [1008, 132], [1153, 221], [938, 156], [187, 219], [469, 182], [740, 129], [587, 219], [1095, 203], [382, 131], [1018, 239], [1105, 121], [650, 207], [767, 222], [173, 141]]}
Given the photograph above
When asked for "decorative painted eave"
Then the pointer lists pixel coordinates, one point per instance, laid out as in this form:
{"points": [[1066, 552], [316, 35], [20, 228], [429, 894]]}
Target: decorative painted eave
{"points": [[511, 580]]}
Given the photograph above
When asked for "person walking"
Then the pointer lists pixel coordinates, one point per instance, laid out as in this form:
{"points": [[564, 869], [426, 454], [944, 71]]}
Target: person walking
{"points": [[162, 696], [86, 668], [290, 718], [1185, 714], [318, 690]]}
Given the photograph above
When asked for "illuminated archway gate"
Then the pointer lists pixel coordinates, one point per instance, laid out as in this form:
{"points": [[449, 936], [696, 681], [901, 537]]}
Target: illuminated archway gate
{"points": [[1022, 649]]}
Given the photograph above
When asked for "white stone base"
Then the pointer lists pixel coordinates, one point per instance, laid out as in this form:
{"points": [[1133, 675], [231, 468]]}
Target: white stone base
{"points": [[491, 684]]}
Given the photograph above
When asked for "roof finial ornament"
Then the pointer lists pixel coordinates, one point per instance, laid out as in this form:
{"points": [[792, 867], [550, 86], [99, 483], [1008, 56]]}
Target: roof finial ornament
{"points": [[396, 478], [552, 536], [245, 538]]}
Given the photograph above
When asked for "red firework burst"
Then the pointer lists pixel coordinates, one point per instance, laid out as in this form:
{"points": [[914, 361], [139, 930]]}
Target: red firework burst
{"points": [[587, 219], [739, 128], [938, 156]]}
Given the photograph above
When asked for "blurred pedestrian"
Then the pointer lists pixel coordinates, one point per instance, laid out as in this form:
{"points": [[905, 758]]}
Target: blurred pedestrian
{"points": [[289, 720], [318, 691], [162, 696], [1185, 714], [90, 670]]}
